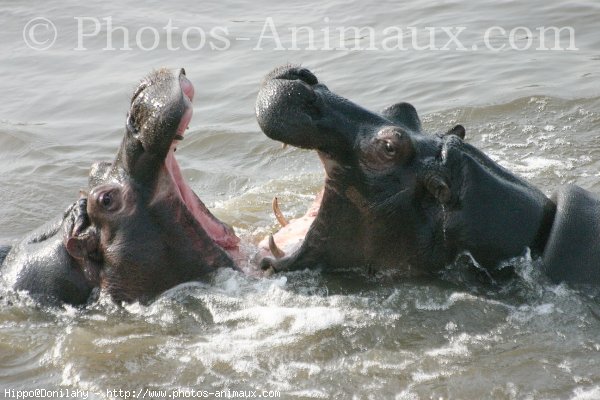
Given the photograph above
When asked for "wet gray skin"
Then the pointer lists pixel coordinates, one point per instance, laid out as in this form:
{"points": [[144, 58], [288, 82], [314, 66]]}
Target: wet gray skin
{"points": [[140, 230], [399, 198]]}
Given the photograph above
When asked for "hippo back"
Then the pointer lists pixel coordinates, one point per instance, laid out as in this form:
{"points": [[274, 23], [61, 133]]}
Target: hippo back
{"points": [[572, 252], [41, 265]]}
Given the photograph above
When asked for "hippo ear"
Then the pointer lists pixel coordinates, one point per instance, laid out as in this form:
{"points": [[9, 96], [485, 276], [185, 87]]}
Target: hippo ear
{"points": [[83, 246], [403, 114], [458, 130]]}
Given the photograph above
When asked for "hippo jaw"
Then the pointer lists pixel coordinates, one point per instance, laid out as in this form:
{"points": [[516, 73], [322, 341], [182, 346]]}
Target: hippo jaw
{"points": [[394, 196], [371, 165], [148, 230], [163, 103]]}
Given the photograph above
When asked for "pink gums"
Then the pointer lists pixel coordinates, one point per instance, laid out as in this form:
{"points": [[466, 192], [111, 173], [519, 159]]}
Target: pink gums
{"points": [[222, 234], [290, 237]]}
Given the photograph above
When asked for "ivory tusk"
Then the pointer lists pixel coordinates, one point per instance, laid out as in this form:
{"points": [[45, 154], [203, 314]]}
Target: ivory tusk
{"points": [[278, 214], [276, 251]]}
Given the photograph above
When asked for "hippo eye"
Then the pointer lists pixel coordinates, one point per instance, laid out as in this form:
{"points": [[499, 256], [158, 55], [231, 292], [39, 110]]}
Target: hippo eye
{"points": [[390, 149], [105, 199]]}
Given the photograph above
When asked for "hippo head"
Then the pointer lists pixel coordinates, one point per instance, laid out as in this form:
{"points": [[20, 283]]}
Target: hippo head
{"points": [[144, 230], [395, 197]]}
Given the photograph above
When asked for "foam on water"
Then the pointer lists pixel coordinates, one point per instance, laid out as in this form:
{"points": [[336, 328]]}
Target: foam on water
{"points": [[307, 334], [254, 335]]}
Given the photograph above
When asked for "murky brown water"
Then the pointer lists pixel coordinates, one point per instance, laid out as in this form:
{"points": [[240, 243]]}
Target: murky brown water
{"points": [[305, 335]]}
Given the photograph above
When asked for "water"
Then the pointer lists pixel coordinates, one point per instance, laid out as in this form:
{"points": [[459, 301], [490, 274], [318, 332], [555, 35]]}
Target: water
{"points": [[306, 334]]}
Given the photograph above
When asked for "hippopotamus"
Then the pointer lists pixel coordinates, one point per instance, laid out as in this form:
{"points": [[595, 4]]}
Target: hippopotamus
{"points": [[139, 229], [400, 199]]}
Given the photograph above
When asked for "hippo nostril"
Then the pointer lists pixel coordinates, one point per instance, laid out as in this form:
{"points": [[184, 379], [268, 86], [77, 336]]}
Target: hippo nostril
{"points": [[182, 71], [131, 124], [292, 73], [141, 87], [306, 76]]}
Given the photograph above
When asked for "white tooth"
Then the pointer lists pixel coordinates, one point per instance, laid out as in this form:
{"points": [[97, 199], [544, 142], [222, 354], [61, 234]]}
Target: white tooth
{"points": [[276, 251], [278, 214], [284, 146]]}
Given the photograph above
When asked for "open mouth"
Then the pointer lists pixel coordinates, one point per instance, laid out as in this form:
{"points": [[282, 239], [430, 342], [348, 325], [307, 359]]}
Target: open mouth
{"points": [[220, 233]]}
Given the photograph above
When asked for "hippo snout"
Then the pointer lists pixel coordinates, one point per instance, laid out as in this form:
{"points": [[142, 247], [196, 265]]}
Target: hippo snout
{"points": [[288, 106], [293, 107], [291, 73]]}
